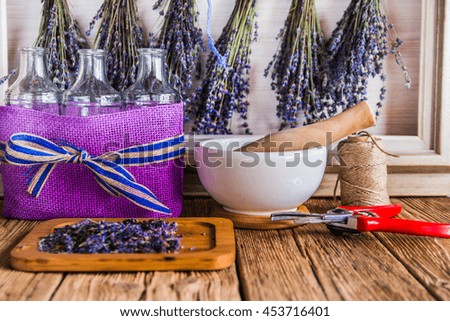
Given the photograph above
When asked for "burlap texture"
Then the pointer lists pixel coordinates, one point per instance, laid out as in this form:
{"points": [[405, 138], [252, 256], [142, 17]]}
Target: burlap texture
{"points": [[71, 190]]}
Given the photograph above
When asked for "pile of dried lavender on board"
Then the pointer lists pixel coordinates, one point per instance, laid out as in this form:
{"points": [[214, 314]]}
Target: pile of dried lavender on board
{"points": [[128, 236], [60, 34]]}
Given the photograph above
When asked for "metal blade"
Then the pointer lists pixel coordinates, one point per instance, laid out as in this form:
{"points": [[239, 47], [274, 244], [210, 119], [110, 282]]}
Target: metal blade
{"points": [[309, 218]]}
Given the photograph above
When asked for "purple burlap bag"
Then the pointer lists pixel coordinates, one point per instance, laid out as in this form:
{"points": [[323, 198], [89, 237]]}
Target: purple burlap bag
{"points": [[71, 190]]}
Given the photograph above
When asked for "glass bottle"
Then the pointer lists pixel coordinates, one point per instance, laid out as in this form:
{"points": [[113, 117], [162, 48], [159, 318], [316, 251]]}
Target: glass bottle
{"points": [[91, 93], [151, 87], [33, 87]]}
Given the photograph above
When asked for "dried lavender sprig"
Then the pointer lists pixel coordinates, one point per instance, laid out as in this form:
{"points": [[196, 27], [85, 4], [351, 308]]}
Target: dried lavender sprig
{"points": [[59, 32], [6, 78], [182, 37], [297, 69], [395, 50], [120, 34], [128, 236], [224, 89], [357, 50]]}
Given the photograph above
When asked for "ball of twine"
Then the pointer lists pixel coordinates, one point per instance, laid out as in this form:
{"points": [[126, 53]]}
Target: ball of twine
{"points": [[363, 170]]}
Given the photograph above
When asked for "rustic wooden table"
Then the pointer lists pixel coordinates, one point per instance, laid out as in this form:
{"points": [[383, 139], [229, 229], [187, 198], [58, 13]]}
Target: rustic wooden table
{"points": [[305, 263]]}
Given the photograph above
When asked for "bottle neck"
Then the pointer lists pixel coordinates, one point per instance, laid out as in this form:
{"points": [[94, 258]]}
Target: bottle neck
{"points": [[152, 66], [92, 66], [32, 63]]}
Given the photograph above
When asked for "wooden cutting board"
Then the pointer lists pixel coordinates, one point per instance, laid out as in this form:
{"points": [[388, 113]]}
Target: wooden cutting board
{"points": [[254, 222], [207, 244]]}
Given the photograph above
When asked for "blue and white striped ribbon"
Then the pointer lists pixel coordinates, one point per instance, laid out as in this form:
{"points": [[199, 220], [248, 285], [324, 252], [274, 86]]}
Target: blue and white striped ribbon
{"points": [[2, 152], [25, 149]]}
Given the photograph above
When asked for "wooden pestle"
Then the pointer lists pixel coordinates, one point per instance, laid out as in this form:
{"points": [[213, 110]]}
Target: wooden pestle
{"points": [[322, 133]]}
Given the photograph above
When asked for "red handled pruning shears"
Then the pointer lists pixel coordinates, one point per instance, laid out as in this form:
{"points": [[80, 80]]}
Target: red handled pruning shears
{"points": [[355, 219]]}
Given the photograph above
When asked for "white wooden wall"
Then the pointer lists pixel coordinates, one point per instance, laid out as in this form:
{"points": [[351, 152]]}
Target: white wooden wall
{"points": [[399, 116]]}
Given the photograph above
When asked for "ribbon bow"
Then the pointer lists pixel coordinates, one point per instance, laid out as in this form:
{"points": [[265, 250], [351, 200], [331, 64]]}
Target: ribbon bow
{"points": [[31, 150]]}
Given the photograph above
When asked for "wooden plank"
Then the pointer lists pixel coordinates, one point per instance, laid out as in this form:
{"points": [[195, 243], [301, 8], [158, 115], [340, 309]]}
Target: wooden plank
{"points": [[193, 286], [192, 186], [197, 206], [272, 267], [355, 267], [437, 184], [16, 285], [427, 208], [101, 287], [427, 258]]}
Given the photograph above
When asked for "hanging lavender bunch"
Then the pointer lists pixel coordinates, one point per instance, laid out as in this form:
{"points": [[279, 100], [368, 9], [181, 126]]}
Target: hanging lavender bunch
{"points": [[182, 37], [226, 85], [120, 34], [357, 49], [60, 33], [296, 68]]}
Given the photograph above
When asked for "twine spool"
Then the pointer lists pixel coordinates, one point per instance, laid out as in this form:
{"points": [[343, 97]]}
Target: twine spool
{"points": [[363, 172]]}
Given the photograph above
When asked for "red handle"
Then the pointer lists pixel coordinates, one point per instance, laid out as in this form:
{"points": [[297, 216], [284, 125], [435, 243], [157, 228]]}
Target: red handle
{"points": [[381, 210], [403, 226]]}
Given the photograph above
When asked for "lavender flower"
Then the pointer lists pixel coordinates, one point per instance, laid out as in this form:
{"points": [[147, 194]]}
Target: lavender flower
{"points": [[6, 78], [298, 74], [128, 236], [120, 34], [395, 45], [59, 33], [225, 88], [183, 39], [356, 52]]}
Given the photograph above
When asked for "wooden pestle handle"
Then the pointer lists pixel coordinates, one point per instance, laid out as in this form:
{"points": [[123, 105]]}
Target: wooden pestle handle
{"points": [[322, 133]]}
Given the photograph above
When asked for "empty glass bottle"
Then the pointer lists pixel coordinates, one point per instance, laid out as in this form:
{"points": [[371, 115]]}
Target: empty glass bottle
{"points": [[33, 88], [151, 86], [91, 94]]}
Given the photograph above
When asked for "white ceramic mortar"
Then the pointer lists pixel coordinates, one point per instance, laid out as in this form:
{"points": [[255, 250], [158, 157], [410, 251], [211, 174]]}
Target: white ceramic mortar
{"points": [[258, 183]]}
